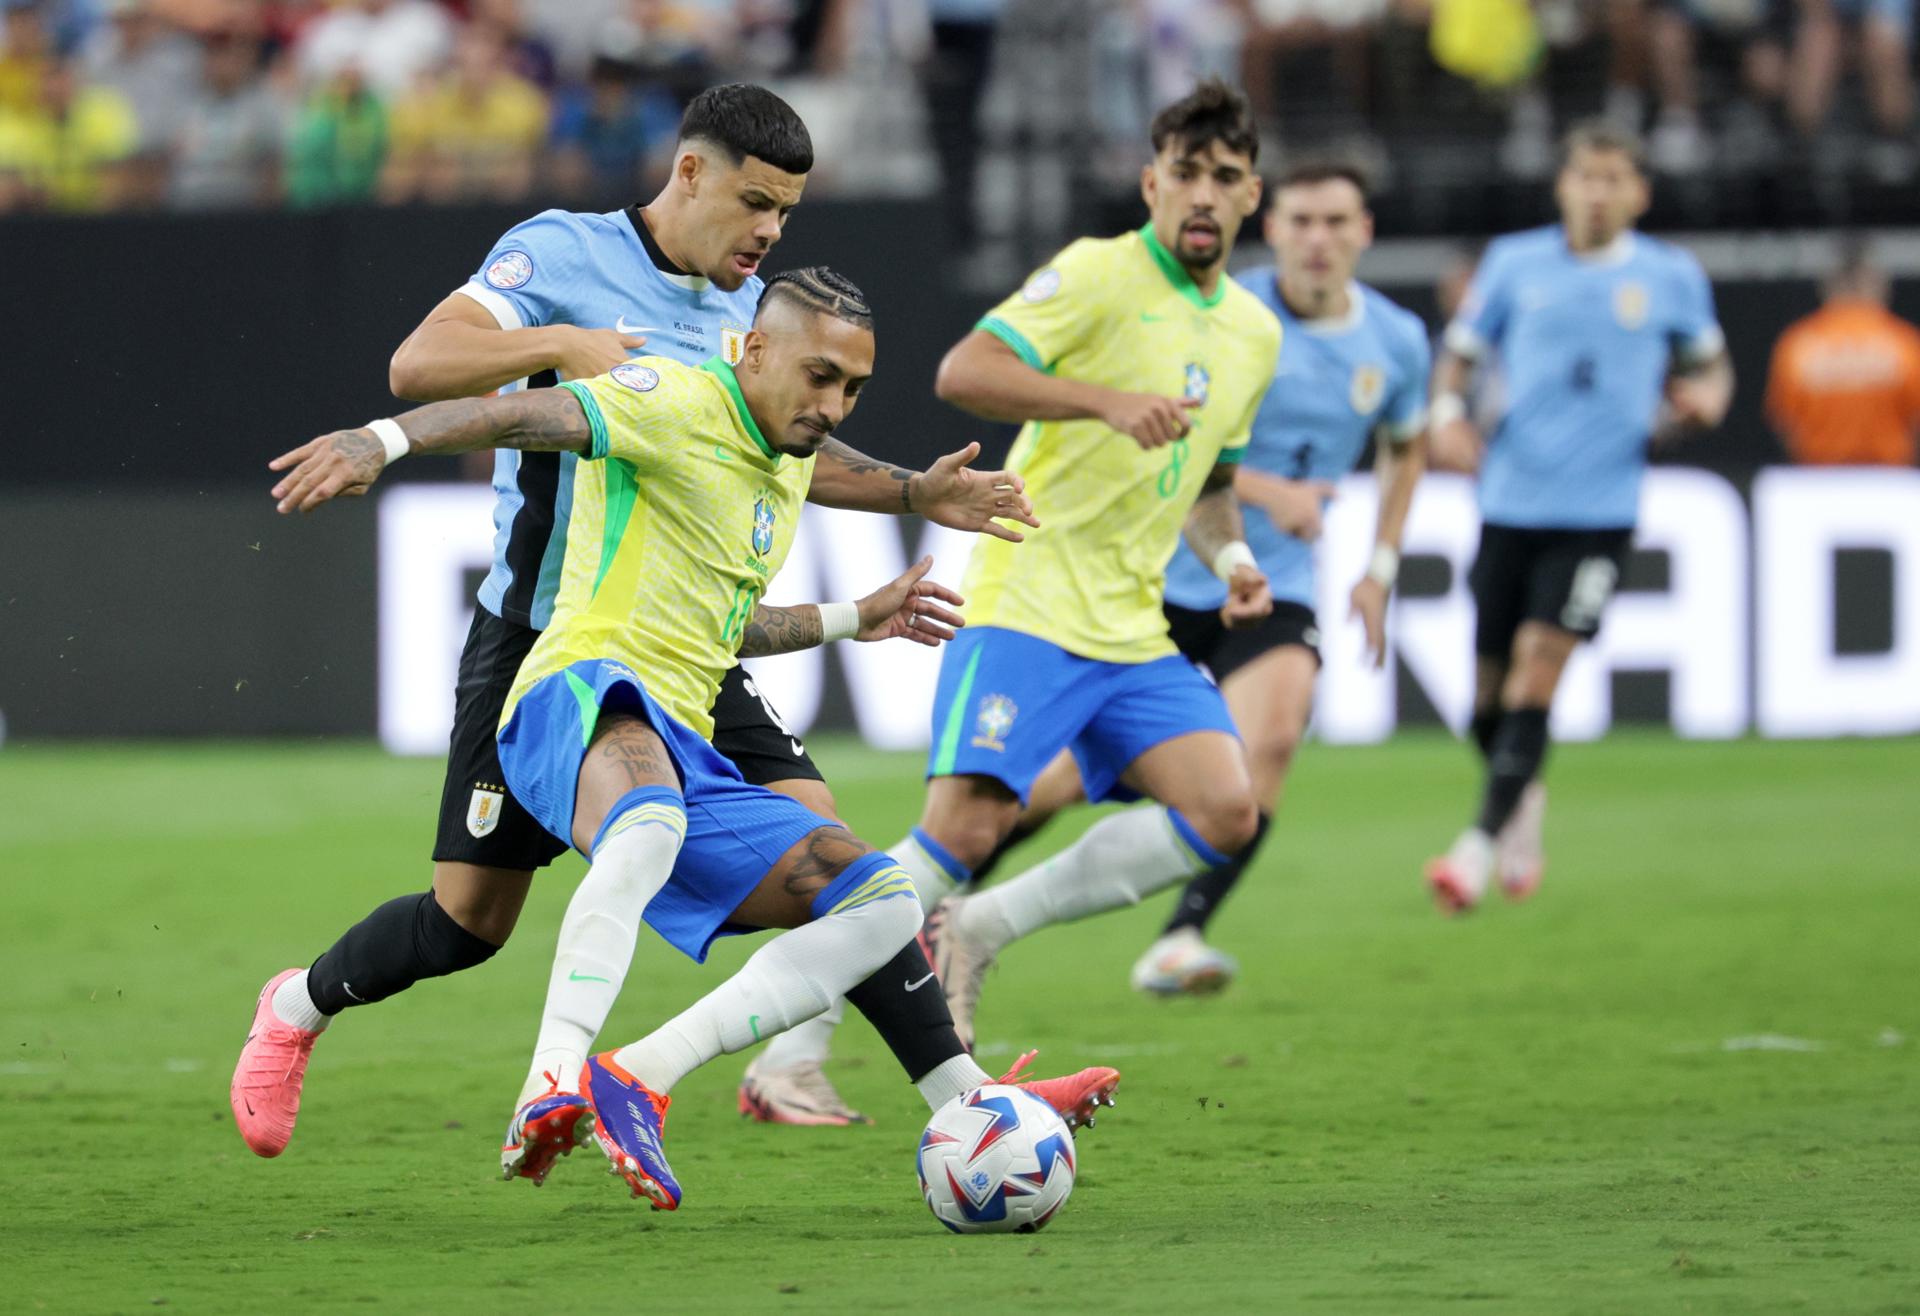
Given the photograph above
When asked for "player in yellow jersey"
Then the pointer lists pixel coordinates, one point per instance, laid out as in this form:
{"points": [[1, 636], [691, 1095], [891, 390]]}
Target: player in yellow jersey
{"points": [[684, 506], [1136, 365]]}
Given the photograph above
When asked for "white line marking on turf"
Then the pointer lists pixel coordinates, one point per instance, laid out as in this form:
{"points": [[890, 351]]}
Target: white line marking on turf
{"points": [[1890, 1037], [185, 1066], [1771, 1042]]}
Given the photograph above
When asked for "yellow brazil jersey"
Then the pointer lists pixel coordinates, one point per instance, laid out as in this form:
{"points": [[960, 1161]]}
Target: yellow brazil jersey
{"points": [[682, 512], [1122, 313]]}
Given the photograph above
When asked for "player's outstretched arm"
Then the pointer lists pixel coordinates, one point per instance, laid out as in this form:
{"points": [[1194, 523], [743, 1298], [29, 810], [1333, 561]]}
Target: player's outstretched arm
{"points": [[1397, 468], [460, 351], [345, 463], [981, 374], [1216, 534], [1698, 399], [949, 493], [907, 607]]}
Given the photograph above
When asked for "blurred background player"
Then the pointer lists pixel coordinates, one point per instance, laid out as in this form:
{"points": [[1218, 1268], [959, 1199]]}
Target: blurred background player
{"points": [[553, 300], [1353, 367], [677, 481], [1843, 388], [1594, 325]]}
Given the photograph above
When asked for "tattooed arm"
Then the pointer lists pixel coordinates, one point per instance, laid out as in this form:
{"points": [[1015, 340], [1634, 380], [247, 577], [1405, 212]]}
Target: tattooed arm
{"points": [[908, 607], [949, 493], [345, 463], [1212, 525]]}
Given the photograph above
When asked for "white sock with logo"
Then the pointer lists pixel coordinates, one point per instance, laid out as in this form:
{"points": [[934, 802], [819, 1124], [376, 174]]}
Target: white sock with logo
{"points": [[634, 859], [293, 1005], [790, 979], [1122, 859]]}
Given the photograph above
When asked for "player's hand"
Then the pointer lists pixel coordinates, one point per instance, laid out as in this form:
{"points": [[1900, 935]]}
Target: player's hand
{"points": [[1294, 505], [1369, 604], [951, 494], [1150, 420], [910, 607], [585, 353], [1693, 402], [343, 464], [1455, 446], [1248, 598]]}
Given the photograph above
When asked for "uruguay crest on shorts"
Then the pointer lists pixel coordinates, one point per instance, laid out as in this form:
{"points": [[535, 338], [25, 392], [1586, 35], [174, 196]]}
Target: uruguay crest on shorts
{"points": [[483, 811]]}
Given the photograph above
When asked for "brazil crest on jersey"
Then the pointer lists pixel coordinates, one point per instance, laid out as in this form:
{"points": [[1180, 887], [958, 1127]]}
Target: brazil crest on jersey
{"points": [[682, 513], [597, 271], [1123, 313], [1337, 384], [1585, 341]]}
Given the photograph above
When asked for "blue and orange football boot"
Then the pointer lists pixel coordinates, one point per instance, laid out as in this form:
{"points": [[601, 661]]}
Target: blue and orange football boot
{"points": [[629, 1119], [542, 1131]]}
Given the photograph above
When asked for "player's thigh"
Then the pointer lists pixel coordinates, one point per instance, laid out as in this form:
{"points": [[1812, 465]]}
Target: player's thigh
{"points": [[1271, 699], [1057, 788], [969, 815], [1203, 774], [484, 901], [810, 791], [1540, 654], [624, 755], [1498, 583], [784, 898]]}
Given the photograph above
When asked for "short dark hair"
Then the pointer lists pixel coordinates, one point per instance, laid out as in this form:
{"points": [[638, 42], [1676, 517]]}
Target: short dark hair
{"points": [[821, 290], [1211, 112], [745, 120], [1322, 169], [1603, 135]]}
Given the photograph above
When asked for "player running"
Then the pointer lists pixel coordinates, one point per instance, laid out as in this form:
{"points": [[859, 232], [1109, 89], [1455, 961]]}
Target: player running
{"points": [[1137, 366], [572, 295], [1353, 366], [1594, 324], [687, 487]]}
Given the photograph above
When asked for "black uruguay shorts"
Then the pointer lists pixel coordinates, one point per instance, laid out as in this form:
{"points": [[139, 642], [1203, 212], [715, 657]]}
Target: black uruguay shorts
{"points": [[480, 821], [1564, 578], [1206, 641]]}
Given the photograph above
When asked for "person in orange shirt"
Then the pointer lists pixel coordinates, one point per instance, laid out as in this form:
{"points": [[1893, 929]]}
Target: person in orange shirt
{"points": [[1844, 389]]}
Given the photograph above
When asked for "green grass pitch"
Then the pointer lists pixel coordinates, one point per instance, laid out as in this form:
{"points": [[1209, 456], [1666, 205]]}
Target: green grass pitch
{"points": [[1684, 1078]]}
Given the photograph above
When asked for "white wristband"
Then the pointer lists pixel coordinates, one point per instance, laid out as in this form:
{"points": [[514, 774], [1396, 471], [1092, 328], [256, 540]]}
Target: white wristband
{"points": [[392, 436], [1446, 409], [1236, 554], [1384, 567], [838, 621]]}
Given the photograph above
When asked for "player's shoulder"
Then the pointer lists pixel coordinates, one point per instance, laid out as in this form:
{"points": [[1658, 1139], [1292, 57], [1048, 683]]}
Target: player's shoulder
{"points": [[1395, 321], [1249, 312], [1669, 257], [1532, 244]]}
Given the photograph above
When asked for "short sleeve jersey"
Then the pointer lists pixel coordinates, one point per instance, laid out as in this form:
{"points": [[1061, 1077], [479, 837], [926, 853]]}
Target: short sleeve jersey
{"points": [[682, 513], [1338, 383], [597, 271], [1586, 341], [1124, 314]]}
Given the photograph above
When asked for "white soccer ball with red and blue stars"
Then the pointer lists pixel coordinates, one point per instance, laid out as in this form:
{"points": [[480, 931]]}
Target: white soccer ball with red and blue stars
{"points": [[996, 1160]]}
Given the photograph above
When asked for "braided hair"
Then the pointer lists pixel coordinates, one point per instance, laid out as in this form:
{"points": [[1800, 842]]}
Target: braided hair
{"points": [[819, 289]]}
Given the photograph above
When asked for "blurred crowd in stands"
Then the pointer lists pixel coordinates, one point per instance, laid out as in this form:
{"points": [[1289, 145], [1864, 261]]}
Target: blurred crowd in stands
{"points": [[1014, 110]]}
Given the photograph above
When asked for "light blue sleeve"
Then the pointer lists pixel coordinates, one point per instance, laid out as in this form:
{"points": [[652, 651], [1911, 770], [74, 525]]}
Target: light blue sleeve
{"points": [[1406, 411], [1695, 332], [533, 272], [1482, 319]]}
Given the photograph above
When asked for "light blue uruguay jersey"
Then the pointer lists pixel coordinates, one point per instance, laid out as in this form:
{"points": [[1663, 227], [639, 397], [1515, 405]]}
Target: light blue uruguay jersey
{"points": [[597, 272], [1586, 341], [1337, 383]]}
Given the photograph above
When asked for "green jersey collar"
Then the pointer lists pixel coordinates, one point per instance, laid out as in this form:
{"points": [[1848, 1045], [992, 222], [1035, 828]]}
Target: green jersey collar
{"points": [[720, 370], [1177, 273]]}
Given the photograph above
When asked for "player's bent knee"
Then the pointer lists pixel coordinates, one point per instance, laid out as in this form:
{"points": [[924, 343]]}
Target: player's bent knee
{"points": [[1227, 823]]}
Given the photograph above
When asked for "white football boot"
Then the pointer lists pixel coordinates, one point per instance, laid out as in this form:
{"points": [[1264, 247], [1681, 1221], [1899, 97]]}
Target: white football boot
{"points": [[1458, 879], [1181, 963], [1520, 854]]}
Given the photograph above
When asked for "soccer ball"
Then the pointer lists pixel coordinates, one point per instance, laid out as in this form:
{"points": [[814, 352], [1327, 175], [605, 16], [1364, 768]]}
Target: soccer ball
{"points": [[995, 1160]]}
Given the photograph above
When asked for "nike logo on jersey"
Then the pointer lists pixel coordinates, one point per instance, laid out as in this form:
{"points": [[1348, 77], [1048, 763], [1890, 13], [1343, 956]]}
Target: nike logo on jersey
{"points": [[1147, 317], [622, 326], [722, 453], [916, 986]]}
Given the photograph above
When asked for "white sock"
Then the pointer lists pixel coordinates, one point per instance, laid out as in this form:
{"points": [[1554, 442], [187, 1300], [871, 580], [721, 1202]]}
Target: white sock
{"points": [[790, 979], [806, 1042], [950, 1078], [931, 882], [590, 962], [1122, 859], [810, 1042], [293, 1005]]}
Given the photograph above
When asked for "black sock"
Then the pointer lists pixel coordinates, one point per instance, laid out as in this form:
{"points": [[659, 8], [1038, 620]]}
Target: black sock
{"points": [[403, 941], [1202, 895], [1485, 723], [1519, 749], [905, 1005]]}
